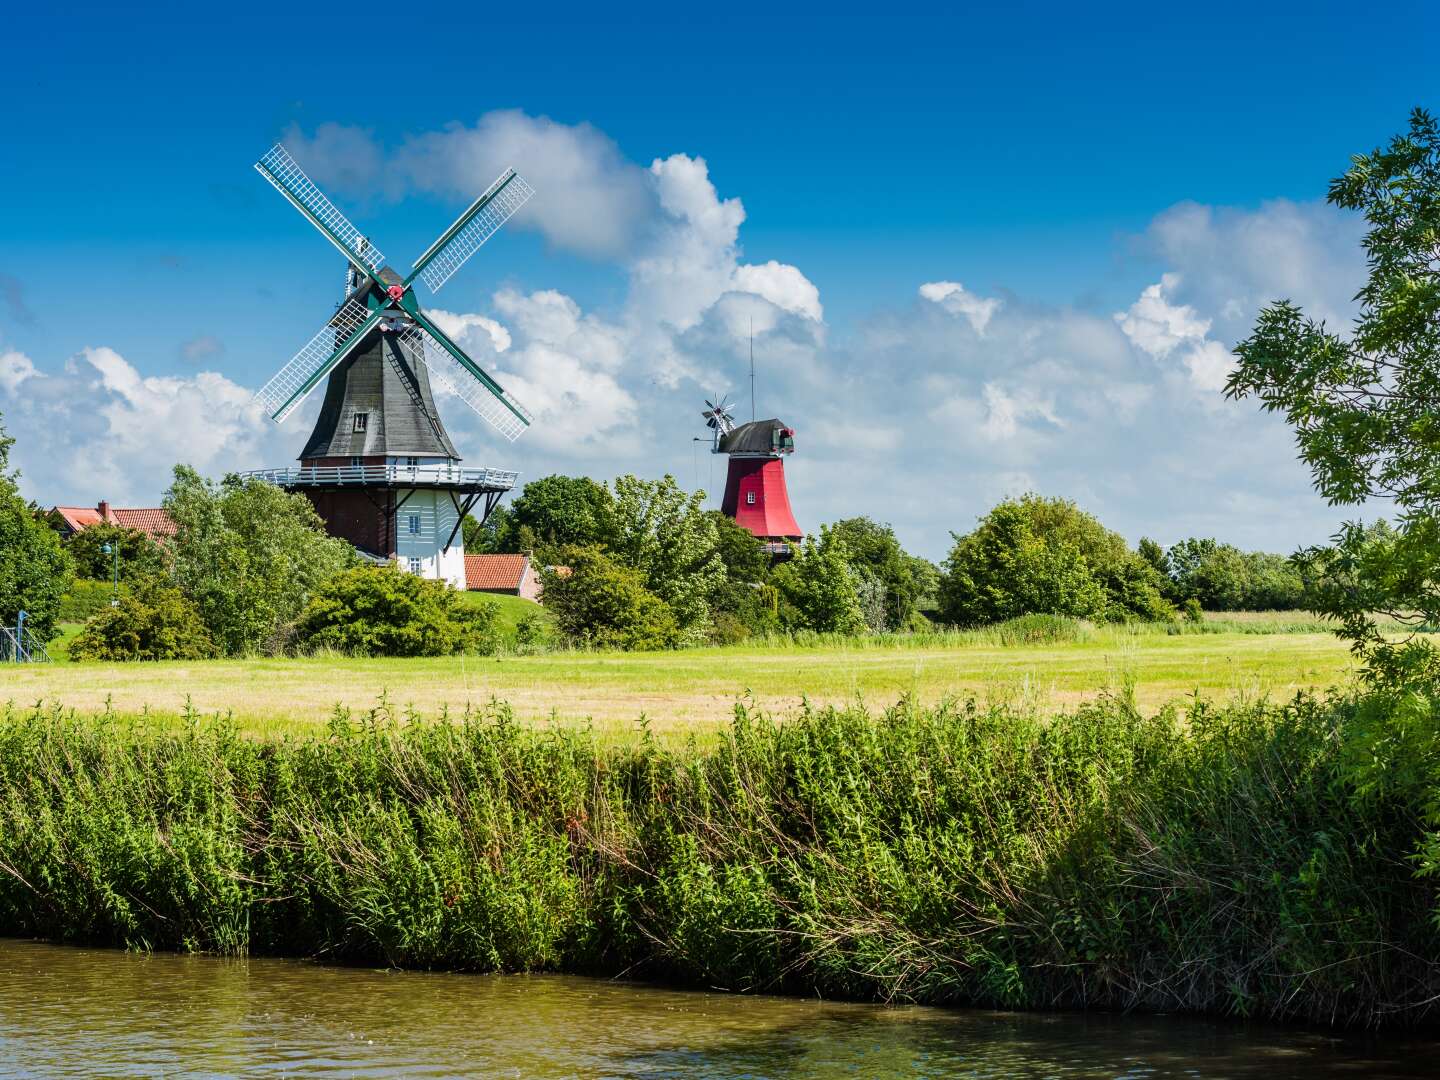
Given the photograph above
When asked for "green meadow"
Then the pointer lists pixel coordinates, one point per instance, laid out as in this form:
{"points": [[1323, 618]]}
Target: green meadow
{"points": [[1040, 664]]}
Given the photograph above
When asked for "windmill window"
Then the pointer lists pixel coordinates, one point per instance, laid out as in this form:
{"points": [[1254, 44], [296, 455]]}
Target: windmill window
{"points": [[413, 524], [412, 461], [357, 461], [361, 421], [749, 498], [415, 566]]}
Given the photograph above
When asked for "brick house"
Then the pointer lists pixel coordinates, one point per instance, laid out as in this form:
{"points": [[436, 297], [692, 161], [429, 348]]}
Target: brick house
{"points": [[509, 574], [152, 521]]}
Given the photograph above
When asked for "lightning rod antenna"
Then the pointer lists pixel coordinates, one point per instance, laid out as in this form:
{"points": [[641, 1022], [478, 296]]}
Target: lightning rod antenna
{"points": [[752, 369]]}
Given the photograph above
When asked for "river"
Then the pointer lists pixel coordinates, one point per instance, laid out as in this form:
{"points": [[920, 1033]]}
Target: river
{"points": [[88, 1012]]}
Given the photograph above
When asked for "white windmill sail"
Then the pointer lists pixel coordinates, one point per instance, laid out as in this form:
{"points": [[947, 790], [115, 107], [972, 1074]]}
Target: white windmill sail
{"points": [[486, 397], [292, 384], [471, 229]]}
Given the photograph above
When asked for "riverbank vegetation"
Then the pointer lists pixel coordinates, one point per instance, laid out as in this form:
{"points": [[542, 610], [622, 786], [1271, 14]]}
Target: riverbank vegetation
{"points": [[1257, 860]]}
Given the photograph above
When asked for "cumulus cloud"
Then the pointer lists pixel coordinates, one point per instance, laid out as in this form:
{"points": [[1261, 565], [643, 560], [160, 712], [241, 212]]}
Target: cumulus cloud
{"points": [[100, 429], [1162, 328], [951, 296], [15, 368]]}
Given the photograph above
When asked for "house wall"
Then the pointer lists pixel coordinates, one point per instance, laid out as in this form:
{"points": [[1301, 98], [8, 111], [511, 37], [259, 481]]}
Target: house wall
{"points": [[422, 525]]}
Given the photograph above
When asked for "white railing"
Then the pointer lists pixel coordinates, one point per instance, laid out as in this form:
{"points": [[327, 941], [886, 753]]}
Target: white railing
{"points": [[386, 475]]}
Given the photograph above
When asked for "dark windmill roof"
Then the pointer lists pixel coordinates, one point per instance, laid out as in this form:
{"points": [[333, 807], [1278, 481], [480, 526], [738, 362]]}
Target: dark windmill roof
{"points": [[390, 385], [758, 437]]}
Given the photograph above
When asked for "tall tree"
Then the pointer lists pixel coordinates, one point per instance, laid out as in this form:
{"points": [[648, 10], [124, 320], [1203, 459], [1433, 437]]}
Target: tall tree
{"points": [[249, 556], [555, 512], [35, 571], [671, 540], [873, 549], [1363, 405]]}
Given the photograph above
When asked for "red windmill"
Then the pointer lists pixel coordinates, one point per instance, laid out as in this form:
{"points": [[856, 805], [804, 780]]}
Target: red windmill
{"points": [[755, 494]]}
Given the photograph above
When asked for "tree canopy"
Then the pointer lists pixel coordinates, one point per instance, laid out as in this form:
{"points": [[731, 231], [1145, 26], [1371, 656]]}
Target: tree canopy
{"points": [[249, 556], [1362, 405], [1035, 555], [35, 571]]}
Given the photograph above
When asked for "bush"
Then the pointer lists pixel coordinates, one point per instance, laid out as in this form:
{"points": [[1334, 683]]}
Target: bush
{"points": [[384, 611], [35, 571], [88, 597], [1034, 555], [158, 623], [600, 603]]}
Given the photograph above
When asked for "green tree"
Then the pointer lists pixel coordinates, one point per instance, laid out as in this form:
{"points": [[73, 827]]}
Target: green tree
{"points": [[140, 556], [744, 558], [671, 540], [250, 556], [155, 622], [875, 553], [1362, 406], [487, 537], [555, 512], [819, 588], [1034, 555], [35, 571], [598, 602], [373, 610]]}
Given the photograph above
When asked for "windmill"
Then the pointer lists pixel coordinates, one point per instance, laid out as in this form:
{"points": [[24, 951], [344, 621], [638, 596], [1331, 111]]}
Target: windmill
{"points": [[755, 494], [379, 466]]}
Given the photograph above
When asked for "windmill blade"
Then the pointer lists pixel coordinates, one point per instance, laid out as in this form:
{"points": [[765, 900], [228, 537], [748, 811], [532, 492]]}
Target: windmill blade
{"points": [[456, 372], [471, 229], [290, 180], [336, 340]]}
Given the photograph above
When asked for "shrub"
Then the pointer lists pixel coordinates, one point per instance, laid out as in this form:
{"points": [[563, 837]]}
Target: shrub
{"points": [[139, 555], [384, 611], [598, 602], [88, 597], [158, 623], [819, 588], [1034, 555]]}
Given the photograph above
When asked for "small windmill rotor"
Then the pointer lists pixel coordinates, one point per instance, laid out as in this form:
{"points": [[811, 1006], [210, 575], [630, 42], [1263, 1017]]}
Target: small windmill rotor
{"points": [[385, 301], [716, 415]]}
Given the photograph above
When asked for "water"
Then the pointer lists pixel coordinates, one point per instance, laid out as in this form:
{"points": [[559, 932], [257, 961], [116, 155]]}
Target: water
{"points": [[83, 1012]]}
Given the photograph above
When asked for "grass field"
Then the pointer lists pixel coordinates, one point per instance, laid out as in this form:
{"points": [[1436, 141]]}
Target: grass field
{"points": [[1243, 655]]}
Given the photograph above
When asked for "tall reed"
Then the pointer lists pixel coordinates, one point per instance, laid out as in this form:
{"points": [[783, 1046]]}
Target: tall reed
{"points": [[1217, 863]]}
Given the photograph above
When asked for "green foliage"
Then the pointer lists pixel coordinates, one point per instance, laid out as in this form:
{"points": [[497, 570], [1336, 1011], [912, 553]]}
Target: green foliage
{"points": [[551, 513], [744, 558], [1038, 555], [671, 540], [1221, 577], [598, 602], [874, 553], [35, 572], [818, 588], [384, 611], [249, 556], [139, 555], [1252, 860], [86, 598], [1362, 407], [155, 623]]}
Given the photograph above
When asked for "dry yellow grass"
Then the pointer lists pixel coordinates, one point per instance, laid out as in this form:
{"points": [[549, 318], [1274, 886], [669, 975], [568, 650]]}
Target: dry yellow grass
{"points": [[696, 689]]}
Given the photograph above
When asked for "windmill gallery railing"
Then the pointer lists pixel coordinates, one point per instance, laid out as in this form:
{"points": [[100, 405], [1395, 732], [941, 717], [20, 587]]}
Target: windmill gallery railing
{"points": [[419, 476]]}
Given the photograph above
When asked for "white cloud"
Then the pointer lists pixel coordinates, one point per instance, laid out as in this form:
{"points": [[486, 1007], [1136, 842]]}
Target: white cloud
{"points": [[459, 329], [15, 368], [1162, 329], [100, 429], [951, 296], [784, 286]]}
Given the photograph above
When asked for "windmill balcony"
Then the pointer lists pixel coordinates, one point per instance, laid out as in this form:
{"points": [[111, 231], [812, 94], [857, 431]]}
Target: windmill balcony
{"points": [[387, 476]]}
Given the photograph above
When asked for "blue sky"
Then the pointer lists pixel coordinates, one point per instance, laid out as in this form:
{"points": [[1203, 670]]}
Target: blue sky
{"points": [[1052, 159]]}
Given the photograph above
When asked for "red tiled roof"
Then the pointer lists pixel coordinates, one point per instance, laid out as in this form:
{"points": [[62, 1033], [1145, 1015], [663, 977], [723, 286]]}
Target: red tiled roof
{"points": [[150, 520], [495, 571], [155, 521], [78, 517]]}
